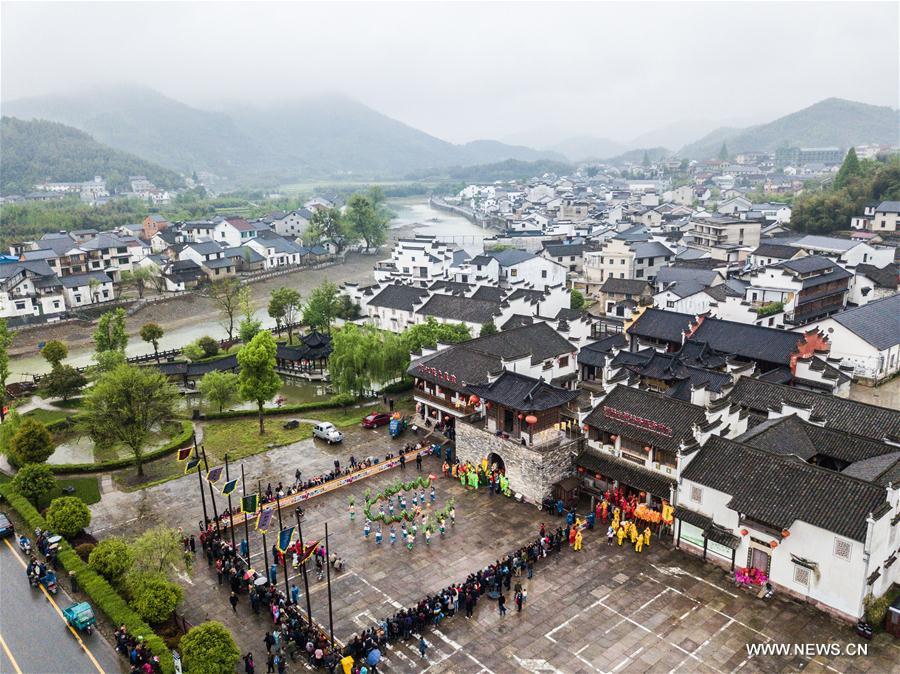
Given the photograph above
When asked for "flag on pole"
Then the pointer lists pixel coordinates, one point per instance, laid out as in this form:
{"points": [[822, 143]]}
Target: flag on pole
{"points": [[308, 550], [229, 487], [184, 453], [250, 504], [190, 465], [284, 538], [215, 474], [264, 519]]}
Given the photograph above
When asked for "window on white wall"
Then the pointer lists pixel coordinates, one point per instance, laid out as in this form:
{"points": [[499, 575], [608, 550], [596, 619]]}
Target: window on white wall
{"points": [[801, 575], [842, 548], [696, 494]]}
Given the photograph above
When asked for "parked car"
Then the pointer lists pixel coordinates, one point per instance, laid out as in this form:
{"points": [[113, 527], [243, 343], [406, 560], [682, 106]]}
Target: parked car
{"points": [[327, 432], [6, 527], [376, 419]]}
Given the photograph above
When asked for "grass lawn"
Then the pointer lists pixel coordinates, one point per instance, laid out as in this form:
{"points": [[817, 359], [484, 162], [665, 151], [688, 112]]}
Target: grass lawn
{"points": [[70, 404], [240, 438], [47, 416], [86, 488]]}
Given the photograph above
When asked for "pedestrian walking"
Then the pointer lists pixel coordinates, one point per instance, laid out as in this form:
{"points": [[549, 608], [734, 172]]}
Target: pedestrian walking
{"points": [[249, 665], [501, 604], [269, 642], [610, 534], [233, 600], [419, 462], [193, 545], [295, 594], [270, 664], [422, 646]]}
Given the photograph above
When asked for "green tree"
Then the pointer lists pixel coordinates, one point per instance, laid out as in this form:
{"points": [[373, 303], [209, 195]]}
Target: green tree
{"points": [[209, 345], [8, 430], [5, 341], [34, 481], [160, 550], [54, 352], [723, 153], [63, 381], [152, 333], [322, 307], [153, 596], [106, 361], [139, 277], [487, 329], [111, 558], [31, 443], [363, 221], [362, 357], [110, 334], [850, 168], [226, 295], [284, 305], [193, 351], [258, 380], [248, 328], [209, 648], [326, 225], [577, 301], [68, 515], [348, 310], [219, 388], [126, 405], [430, 332]]}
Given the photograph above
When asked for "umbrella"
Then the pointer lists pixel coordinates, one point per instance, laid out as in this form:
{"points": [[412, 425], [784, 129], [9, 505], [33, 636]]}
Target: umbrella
{"points": [[374, 657]]}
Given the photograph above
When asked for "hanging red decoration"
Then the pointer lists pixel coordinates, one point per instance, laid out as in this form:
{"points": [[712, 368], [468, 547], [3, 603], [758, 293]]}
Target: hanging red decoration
{"points": [[613, 437], [446, 417], [647, 448], [598, 476], [474, 399], [531, 420], [580, 469], [585, 428], [773, 544], [744, 532], [785, 533], [521, 416]]}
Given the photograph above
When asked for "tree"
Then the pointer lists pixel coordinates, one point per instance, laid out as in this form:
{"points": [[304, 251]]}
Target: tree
{"points": [[258, 380], [160, 550], [219, 388], [850, 168], [248, 328], [326, 225], [363, 356], [348, 310], [62, 381], [8, 430], [723, 152], [152, 333], [110, 334], [140, 278], [111, 558], [5, 341], [284, 306], [54, 352], [430, 332], [226, 295], [68, 515], [106, 361], [209, 648], [31, 443], [34, 481], [487, 329], [209, 345], [153, 596], [363, 221], [322, 307], [577, 301], [126, 405]]}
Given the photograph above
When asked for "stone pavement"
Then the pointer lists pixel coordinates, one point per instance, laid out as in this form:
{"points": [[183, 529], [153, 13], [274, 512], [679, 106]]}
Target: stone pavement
{"points": [[605, 609]]}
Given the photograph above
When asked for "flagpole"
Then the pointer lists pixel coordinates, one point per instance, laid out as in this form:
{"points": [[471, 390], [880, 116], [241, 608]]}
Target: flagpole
{"points": [[230, 511], [287, 592], [200, 477], [303, 570], [265, 548], [328, 579], [212, 499], [246, 515]]}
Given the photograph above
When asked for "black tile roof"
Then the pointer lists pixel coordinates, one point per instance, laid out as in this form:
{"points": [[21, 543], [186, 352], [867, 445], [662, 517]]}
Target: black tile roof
{"points": [[198, 369], [595, 352], [886, 277], [626, 473], [401, 297], [748, 342], [661, 325], [624, 286], [519, 392], [675, 418], [775, 250], [883, 470], [492, 293], [869, 421], [455, 308], [517, 321], [778, 490], [878, 322]]}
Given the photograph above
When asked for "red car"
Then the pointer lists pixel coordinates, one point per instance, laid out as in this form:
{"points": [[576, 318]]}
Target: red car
{"points": [[376, 419]]}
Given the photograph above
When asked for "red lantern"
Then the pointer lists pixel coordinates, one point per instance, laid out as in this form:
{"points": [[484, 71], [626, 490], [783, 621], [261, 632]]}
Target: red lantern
{"points": [[598, 476], [785, 533], [647, 448], [585, 428], [773, 544], [580, 469], [531, 420], [446, 417], [474, 399], [744, 532], [521, 416], [613, 437]]}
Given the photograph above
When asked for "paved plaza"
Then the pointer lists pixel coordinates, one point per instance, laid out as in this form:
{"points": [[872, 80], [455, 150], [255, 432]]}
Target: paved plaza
{"points": [[605, 609]]}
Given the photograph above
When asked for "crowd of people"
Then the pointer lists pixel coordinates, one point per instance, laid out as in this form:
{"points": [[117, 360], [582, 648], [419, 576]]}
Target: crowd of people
{"points": [[133, 649]]}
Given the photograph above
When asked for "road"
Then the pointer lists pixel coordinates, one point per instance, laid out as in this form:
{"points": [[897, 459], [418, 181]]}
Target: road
{"points": [[34, 637]]}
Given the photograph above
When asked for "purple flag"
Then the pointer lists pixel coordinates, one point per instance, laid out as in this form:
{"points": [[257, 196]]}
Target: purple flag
{"points": [[264, 519]]}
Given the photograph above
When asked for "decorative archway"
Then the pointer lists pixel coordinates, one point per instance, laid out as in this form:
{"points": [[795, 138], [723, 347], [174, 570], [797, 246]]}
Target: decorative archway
{"points": [[495, 460]]}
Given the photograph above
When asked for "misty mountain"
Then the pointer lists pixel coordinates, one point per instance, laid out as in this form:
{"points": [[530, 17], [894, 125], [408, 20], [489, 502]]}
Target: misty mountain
{"points": [[676, 134], [313, 137], [636, 156], [37, 151], [832, 122], [586, 146]]}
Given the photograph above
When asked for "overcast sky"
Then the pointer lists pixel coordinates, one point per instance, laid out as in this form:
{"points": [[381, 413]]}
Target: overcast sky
{"points": [[470, 70]]}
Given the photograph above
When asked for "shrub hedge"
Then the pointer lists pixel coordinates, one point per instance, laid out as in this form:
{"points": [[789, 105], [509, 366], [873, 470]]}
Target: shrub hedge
{"points": [[180, 440], [340, 400], [102, 595]]}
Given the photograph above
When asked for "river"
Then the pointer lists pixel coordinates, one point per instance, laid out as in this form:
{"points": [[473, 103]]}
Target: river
{"points": [[181, 329]]}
